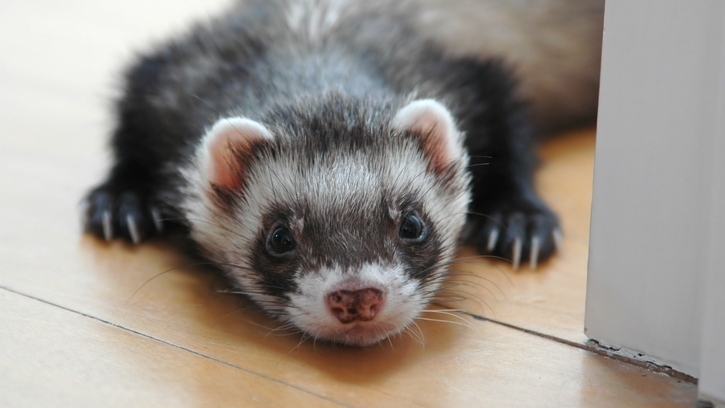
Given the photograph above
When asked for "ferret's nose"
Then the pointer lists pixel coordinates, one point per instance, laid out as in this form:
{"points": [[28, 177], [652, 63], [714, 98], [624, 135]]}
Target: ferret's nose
{"points": [[351, 305]]}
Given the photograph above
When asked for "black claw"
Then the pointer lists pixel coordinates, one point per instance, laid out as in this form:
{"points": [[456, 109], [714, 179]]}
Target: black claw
{"points": [[131, 216], [515, 230], [99, 202], [543, 226], [489, 234]]}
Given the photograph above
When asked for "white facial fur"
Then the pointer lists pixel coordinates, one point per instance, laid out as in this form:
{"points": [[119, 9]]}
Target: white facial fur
{"points": [[403, 302]]}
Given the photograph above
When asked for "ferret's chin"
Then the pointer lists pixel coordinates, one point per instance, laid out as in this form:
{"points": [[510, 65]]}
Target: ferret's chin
{"points": [[362, 335], [359, 334]]}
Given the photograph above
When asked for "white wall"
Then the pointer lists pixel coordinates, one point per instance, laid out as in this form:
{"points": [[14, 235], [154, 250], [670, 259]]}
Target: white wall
{"points": [[657, 233], [712, 351]]}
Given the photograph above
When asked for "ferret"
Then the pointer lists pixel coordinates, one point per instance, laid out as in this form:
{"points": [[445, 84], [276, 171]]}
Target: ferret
{"points": [[326, 156]]}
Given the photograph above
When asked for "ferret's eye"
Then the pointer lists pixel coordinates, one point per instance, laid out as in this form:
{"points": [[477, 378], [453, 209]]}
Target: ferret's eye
{"points": [[411, 228], [280, 241]]}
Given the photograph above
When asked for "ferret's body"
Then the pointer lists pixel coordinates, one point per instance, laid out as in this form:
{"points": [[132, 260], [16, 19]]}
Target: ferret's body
{"points": [[323, 155], [553, 48]]}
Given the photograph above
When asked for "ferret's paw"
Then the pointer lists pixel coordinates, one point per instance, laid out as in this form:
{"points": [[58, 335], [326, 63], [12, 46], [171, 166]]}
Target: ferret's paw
{"points": [[110, 214], [519, 231]]}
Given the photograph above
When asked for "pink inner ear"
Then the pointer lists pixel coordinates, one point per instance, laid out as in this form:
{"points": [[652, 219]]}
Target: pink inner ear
{"points": [[228, 146], [436, 150], [432, 122], [222, 171]]}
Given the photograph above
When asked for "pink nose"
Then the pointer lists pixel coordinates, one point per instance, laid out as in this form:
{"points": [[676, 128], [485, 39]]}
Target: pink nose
{"points": [[351, 305]]}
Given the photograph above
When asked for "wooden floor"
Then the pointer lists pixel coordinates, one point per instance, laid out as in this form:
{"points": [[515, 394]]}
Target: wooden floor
{"points": [[84, 323]]}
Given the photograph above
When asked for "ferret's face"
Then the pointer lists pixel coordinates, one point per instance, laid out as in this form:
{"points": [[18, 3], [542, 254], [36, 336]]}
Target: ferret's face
{"points": [[350, 242]]}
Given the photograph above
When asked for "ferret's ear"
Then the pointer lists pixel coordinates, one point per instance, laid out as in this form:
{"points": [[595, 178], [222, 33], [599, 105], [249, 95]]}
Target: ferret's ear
{"points": [[434, 125], [226, 148]]}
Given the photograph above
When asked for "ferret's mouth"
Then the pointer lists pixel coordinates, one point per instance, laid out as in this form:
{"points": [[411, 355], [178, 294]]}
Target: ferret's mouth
{"points": [[360, 334]]}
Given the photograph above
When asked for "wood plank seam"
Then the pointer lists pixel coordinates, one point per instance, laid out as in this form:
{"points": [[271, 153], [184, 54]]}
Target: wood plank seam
{"points": [[593, 346]]}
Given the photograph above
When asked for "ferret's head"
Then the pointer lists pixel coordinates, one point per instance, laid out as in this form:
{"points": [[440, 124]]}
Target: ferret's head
{"points": [[342, 222]]}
